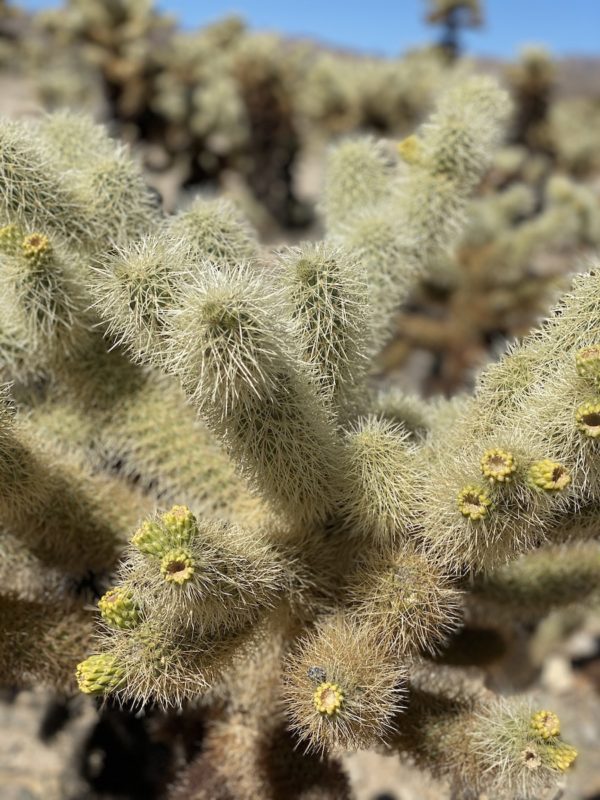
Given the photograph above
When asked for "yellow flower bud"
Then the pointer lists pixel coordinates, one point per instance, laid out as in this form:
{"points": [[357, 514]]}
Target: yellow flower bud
{"points": [[409, 149], [35, 247], [498, 465], [177, 566], [473, 502], [587, 418], [328, 698], [560, 756], [549, 476], [546, 724], [99, 674]]}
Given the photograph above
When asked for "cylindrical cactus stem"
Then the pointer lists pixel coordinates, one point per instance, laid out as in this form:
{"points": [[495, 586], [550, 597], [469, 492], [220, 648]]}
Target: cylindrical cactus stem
{"points": [[538, 582], [496, 486], [328, 297], [414, 414], [342, 687], [245, 761], [455, 146], [104, 176], [68, 517], [358, 174], [380, 481], [402, 218], [135, 287], [213, 230], [459, 138], [408, 601], [115, 191], [155, 436], [568, 332], [232, 347], [73, 138], [154, 663], [504, 748], [42, 288], [33, 194], [41, 642], [376, 240], [159, 437], [209, 575]]}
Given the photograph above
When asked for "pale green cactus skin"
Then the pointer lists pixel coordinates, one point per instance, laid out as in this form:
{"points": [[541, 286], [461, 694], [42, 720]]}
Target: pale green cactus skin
{"points": [[331, 536]]}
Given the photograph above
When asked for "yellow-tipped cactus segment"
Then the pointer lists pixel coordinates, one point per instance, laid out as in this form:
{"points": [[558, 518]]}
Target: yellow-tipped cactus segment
{"points": [[545, 724], [560, 756], [587, 361], [10, 238], [119, 609], [35, 247], [473, 502], [498, 465], [180, 525], [99, 674], [550, 476], [177, 566], [587, 419], [328, 699]]}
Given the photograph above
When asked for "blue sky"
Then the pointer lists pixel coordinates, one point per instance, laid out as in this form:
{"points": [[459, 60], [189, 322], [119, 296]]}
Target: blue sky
{"points": [[570, 27]]}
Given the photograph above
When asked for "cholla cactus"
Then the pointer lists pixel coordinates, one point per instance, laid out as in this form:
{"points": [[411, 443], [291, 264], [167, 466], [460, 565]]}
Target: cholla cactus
{"points": [[572, 123], [532, 80], [308, 568], [500, 276], [453, 15], [340, 93]]}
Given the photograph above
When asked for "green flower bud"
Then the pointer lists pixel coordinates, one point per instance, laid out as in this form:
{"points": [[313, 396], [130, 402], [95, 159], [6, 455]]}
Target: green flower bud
{"points": [[119, 609], [180, 525], [99, 674], [150, 539]]}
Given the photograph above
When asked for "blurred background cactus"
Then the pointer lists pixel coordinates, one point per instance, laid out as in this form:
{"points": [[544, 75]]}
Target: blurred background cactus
{"points": [[453, 15], [299, 415]]}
